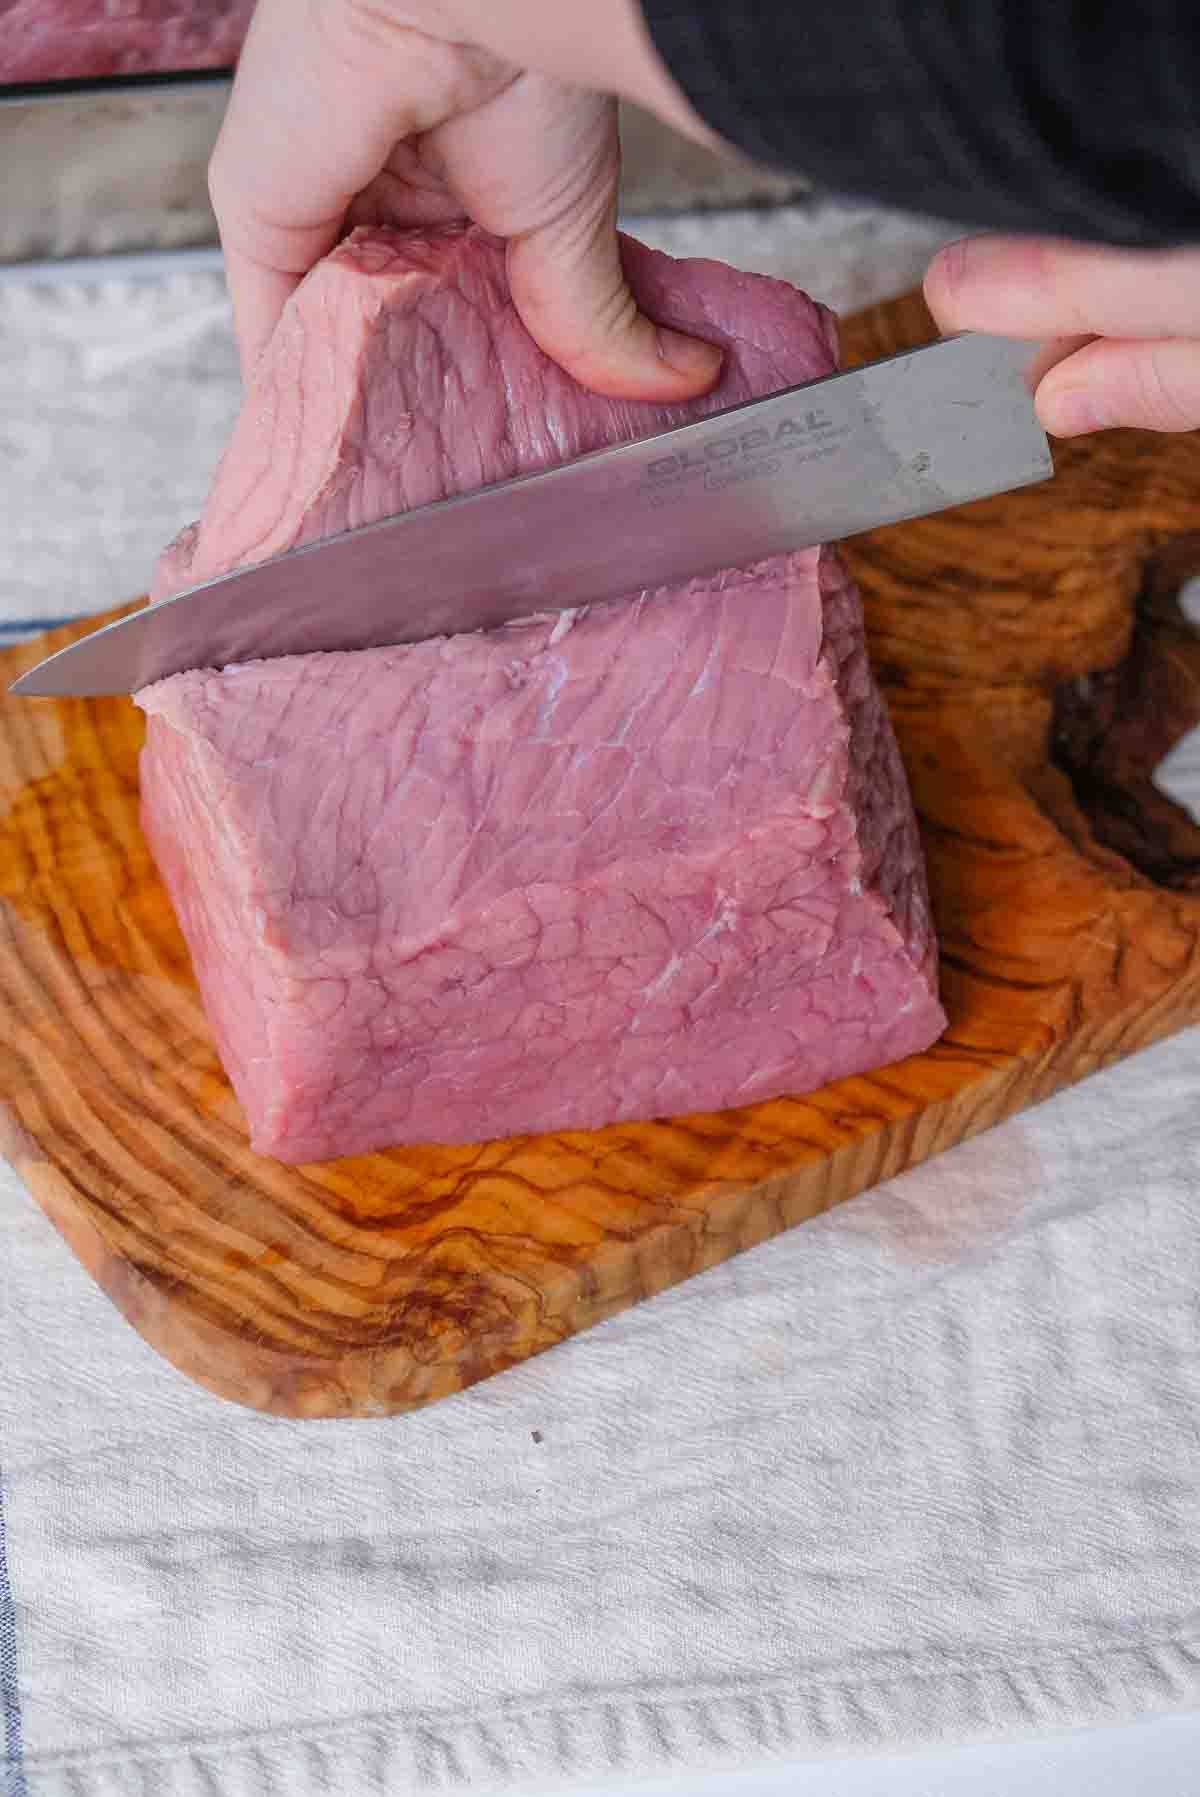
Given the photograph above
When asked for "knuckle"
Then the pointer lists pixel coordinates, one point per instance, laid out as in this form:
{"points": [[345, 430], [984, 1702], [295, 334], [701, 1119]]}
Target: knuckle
{"points": [[575, 208], [616, 311], [362, 24], [1050, 272], [946, 279], [1159, 399], [949, 267], [359, 38], [364, 30]]}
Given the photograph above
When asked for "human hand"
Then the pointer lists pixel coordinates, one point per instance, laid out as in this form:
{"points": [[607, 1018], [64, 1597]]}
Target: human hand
{"points": [[1121, 327], [417, 112]]}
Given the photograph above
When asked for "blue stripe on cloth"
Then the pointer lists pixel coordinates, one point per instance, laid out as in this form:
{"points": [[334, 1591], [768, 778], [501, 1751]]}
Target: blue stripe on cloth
{"points": [[13, 1764], [27, 626]]}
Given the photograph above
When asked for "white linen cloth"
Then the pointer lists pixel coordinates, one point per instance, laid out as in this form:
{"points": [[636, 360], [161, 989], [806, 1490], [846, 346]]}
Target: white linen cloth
{"points": [[925, 1469]]}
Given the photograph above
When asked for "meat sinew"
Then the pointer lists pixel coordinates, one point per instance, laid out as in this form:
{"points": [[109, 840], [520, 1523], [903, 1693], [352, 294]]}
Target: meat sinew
{"points": [[648, 858]]}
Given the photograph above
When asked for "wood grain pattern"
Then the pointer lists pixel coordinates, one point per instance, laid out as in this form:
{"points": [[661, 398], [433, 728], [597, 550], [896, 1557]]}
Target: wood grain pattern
{"points": [[1036, 667]]}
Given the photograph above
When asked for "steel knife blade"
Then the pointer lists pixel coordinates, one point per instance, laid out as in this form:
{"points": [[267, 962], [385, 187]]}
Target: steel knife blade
{"points": [[898, 438]]}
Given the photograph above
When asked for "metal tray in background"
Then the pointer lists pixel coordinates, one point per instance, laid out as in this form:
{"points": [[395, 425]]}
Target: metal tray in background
{"points": [[94, 167], [87, 168]]}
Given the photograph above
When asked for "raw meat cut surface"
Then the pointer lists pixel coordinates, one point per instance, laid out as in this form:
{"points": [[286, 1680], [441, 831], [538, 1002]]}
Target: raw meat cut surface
{"points": [[71, 40], [653, 857]]}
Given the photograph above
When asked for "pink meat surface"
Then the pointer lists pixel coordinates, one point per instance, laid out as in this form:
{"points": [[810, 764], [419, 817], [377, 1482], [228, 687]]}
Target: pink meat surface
{"points": [[648, 858], [68, 40]]}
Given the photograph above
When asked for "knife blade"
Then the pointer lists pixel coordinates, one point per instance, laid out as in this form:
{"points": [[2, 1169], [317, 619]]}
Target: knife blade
{"points": [[898, 438]]}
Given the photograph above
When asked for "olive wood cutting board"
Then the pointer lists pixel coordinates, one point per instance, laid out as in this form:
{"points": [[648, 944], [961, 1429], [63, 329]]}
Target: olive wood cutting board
{"points": [[1037, 666]]}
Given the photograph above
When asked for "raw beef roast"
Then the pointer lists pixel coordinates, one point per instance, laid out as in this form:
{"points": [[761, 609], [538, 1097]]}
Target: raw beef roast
{"points": [[652, 857], [64, 40]]}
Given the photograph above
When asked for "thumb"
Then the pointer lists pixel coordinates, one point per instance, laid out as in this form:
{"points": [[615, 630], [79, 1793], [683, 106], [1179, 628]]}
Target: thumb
{"points": [[539, 165], [1148, 385], [570, 290]]}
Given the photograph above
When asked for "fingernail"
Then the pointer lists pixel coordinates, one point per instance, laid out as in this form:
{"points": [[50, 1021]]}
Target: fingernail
{"points": [[690, 356], [1073, 413]]}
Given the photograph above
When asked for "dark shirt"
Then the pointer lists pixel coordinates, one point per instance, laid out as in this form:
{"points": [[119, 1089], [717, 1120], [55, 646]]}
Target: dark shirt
{"points": [[1079, 117]]}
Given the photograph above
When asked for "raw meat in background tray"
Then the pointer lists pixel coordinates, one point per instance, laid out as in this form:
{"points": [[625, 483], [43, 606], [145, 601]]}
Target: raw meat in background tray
{"points": [[649, 858], [72, 40]]}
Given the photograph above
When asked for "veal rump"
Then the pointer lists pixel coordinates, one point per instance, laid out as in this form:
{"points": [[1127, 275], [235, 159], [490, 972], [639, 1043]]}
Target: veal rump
{"points": [[653, 857]]}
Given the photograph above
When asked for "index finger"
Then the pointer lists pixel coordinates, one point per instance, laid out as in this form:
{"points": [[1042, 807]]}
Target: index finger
{"points": [[1054, 287]]}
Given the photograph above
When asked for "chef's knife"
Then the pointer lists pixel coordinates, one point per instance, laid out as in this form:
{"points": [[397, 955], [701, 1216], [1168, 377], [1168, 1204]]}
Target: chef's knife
{"points": [[899, 438]]}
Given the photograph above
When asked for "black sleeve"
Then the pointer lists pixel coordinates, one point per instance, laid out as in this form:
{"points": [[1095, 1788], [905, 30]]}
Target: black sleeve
{"points": [[1079, 117]]}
